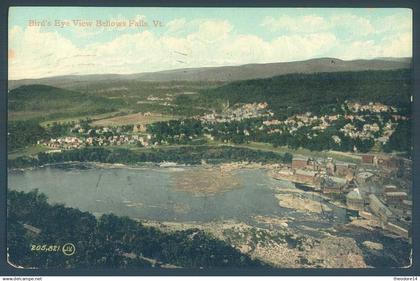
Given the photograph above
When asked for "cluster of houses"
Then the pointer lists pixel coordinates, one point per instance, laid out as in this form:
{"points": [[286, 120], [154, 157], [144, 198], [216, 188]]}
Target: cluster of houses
{"points": [[165, 101], [375, 107], [375, 130], [369, 131], [246, 111], [378, 131], [296, 122], [78, 142], [362, 185], [80, 130], [101, 136], [153, 98], [360, 121], [63, 143]]}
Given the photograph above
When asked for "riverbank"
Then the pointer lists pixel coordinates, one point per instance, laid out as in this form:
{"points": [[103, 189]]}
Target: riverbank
{"points": [[281, 246], [276, 242], [189, 155]]}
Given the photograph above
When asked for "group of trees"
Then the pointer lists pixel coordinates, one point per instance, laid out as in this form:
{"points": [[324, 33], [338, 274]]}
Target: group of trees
{"points": [[401, 139], [187, 155], [319, 93], [320, 142], [106, 242], [25, 133], [175, 131], [47, 102]]}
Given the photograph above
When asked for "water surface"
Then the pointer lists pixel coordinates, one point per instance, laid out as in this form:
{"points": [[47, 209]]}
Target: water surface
{"points": [[149, 193]]}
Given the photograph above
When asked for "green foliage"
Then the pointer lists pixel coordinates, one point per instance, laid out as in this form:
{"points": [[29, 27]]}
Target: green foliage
{"points": [[51, 102], [316, 93], [175, 131], [288, 157], [400, 140], [23, 133], [183, 154], [41, 97], [105, 242]]}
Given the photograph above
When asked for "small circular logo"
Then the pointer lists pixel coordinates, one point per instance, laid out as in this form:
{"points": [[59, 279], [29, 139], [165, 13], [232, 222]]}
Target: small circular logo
{"points": [[69, 249]]}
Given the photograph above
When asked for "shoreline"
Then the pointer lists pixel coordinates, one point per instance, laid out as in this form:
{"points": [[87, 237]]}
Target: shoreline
{"points": [[273, 241], [225, 166]]}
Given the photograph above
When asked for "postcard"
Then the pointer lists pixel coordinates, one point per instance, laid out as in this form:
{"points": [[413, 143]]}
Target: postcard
{"points": [[209, 138]]}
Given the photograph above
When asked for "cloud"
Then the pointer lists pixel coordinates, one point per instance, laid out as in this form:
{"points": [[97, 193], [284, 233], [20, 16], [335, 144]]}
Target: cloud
{"points": [[176, 25], [301, 24], [349, 24], [399, 46], [208, 42], [214, 30], [39, 54], [394, 46], [394, 24]]}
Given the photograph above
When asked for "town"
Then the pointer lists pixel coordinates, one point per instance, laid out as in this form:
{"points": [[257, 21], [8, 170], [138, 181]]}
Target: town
{"points": [[375, 186], [377, 189], [359, 128]]}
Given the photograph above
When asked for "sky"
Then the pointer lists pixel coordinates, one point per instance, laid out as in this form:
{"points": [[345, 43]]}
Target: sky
{"points": [[52, 41]]}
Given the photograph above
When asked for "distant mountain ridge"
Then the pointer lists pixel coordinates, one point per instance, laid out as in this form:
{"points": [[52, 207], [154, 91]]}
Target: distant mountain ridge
{"points": [[229, 73]]}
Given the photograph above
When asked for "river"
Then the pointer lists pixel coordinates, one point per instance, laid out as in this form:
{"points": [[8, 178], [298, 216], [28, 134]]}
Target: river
{"points": [[148, 193]]}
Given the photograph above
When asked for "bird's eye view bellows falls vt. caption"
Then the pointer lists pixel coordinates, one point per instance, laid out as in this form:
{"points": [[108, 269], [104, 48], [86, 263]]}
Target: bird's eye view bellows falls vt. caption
{"points": [[203, 138]]}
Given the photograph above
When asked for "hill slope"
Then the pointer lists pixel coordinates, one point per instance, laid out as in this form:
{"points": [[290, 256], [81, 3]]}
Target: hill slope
{"points": [[254, 71], [106, 242], [319, 92], [226, 73], [41, 101]]}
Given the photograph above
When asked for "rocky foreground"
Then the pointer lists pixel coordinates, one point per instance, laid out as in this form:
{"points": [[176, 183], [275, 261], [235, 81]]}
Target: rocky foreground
{"points": [[280, 246]]}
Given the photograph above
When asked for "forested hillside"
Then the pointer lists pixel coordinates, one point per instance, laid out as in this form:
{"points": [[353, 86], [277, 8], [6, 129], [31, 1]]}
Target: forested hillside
{"points": [[316, 93], [41, 101]]}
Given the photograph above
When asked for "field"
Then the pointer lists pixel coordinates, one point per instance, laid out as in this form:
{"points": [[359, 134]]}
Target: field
{"points": [[78, 118], [131, 119]]}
